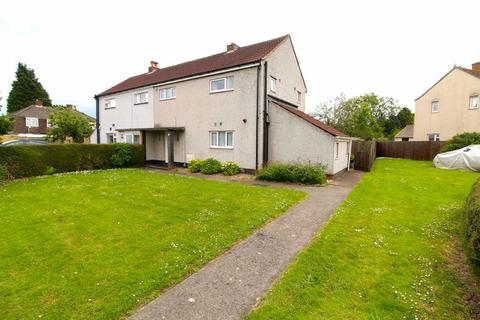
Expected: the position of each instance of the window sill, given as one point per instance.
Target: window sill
(166, 99)
(435, 111)
(140, 103)
(473, 108)
(219, 91)
(228, 148)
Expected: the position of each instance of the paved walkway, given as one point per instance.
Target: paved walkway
(229, 286)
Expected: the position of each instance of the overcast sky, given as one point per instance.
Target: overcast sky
(393, 48)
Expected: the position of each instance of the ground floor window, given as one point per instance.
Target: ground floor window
(132, 138)
(111, 138)
(221, 139)
(433, 137)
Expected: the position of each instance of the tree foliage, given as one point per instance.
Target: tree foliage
(368, 116)
(26, 88)
(462, 140)
(66, 123)
(6, 125)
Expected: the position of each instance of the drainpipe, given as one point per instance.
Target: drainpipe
(266, 122)
(257, 116)
(97, 121)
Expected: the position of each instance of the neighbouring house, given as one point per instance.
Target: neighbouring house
(406, 134)
(246, 104)
(450, 106)
(32, 121)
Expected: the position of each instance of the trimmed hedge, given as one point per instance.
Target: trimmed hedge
(462, 140)
(211, 166)
(472, 222)
(304, 173)
(35, 160)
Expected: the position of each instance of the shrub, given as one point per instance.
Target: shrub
(3, 173)
(50, 171)
(195, 165)
(34, 160)
(230, 168)
(305, 173)
(122, 156)
(211, 166)
(461, 141)
(472, 223)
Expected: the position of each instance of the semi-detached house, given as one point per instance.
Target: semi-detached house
(246, 104)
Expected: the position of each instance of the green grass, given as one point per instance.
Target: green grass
(384, 253)
(98, 245)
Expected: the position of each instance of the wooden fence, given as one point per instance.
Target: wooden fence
(414, 150)
(365, 152)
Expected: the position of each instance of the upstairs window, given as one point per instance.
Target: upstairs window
(474, 102)
(31, 122)
(273, 84)
(168, 93)
(141, 97)
(435, 106)
(221, 84)
(221, 139)
(110, 103)
(299, 97)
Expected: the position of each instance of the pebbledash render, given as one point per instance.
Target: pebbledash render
(246, 104)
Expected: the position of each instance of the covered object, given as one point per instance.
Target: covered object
(467, 158)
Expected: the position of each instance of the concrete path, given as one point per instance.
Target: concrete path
(229, 286)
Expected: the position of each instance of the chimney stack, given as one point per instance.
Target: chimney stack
(38, 103)
(476, 66)
(232, 47)
(153, 66)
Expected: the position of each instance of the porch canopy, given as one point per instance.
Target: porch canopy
(170, 139)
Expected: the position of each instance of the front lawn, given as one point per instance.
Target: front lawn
(98, 245)
(391, 251)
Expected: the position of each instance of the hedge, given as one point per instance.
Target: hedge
(304, 173)
(34, 160)
(472, 222)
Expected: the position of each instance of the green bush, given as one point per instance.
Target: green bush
(34, 160)
(122, 156)
(305, 173)
(472, 223)
(49, 171)
(230, 168)
(195, 166)
(461, 141)
(211, 166)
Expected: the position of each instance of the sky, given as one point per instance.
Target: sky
(393, 48)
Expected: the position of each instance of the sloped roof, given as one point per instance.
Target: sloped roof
(219, 61)
(406, 132)
(41, 112)
(317, 123)
(469, 71)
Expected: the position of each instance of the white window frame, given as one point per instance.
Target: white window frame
(472, 97)
(114, 137)
(273, 84)
(225, 84)
(437, 104)
(132, 136)
(31, 122)
(137, 97)
(110, 103)
(165, 91)
(436, 136)
(216, 145)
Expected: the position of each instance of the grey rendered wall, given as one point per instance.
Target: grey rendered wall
(294, 139)
(199, 112)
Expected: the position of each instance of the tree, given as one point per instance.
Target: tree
(368, 116)
(461, 141)
(26, 88)
(6, 125)
(66, 122)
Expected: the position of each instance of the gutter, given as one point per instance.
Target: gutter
(97, 120)
(257, 117)
(266, 122)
